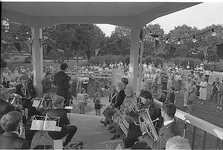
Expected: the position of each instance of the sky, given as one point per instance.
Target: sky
(200, 16)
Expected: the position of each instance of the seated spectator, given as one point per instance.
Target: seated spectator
(177, 143)
(10, 139)
(67, 129)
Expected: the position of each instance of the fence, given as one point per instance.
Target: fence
(93, 74)
(196, 123)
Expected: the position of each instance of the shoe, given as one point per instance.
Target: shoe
(103, 122)
(110, 128)
(113, 138)
(113, 131)
(118, 136)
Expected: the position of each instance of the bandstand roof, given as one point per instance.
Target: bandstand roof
(129, 14)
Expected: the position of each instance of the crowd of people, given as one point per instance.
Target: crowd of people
(124, 102)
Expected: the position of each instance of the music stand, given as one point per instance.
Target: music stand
(45, 123)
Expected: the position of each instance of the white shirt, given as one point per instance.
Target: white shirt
(167, 122)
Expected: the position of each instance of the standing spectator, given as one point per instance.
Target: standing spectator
(46, 83)
(97, 104)
(215, 85)
(192, 96)
(61, 81)
(6, 77)
(81, 100)
(186, 91)
(220, 95)
(72, 92)
(203, 90)
(171, 97)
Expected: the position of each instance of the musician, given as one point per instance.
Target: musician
(123, 111)
(61, 81)
(112, 99)
(134, 130)
(6, 107)
(10, 139)
(170, 128)
(67, 129)
(28, 92)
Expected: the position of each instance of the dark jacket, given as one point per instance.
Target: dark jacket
(165, 133)
(119, 99)
(61, 81)
(62, 114)
(59, 113)
(171, 97)
(12, 141)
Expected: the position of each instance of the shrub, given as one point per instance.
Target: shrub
(214, 67)
(107, 59)
(3, 63)
(192, 62)
(28, 59)
(158, 61)
(149, 60)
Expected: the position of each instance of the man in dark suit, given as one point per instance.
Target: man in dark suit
(134, 130)
(169, 129)
(61, 81)
(6, 107)
(64, 123)
(10, 139)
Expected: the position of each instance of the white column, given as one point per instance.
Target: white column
(37, 60)
(134, 58)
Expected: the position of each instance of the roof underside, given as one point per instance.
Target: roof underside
(117, 13)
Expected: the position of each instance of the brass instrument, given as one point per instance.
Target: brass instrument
(145, 120)
(22, 131)
(133, 105)
(16, 100)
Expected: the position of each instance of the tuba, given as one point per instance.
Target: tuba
(145, 120)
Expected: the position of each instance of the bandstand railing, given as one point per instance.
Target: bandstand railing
(198, 123)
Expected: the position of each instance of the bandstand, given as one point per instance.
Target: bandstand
(129, 14)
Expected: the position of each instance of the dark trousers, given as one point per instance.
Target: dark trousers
(66, 130)
(108, 114)
(29, 134)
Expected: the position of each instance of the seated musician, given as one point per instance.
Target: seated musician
(67, 129)
(10, 139)
(123, 111)
(112, 99)
(134, 129)
(28, 92)
(6, 107)
(118, 102)
(169, 129)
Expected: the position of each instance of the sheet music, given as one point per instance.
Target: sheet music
(36, 103)
(45, 124)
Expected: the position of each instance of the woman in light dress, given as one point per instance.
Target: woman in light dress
(170, 81)
(186, 89)
(203, 91)
(192, 96)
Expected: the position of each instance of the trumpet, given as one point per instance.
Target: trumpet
(145, 120)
